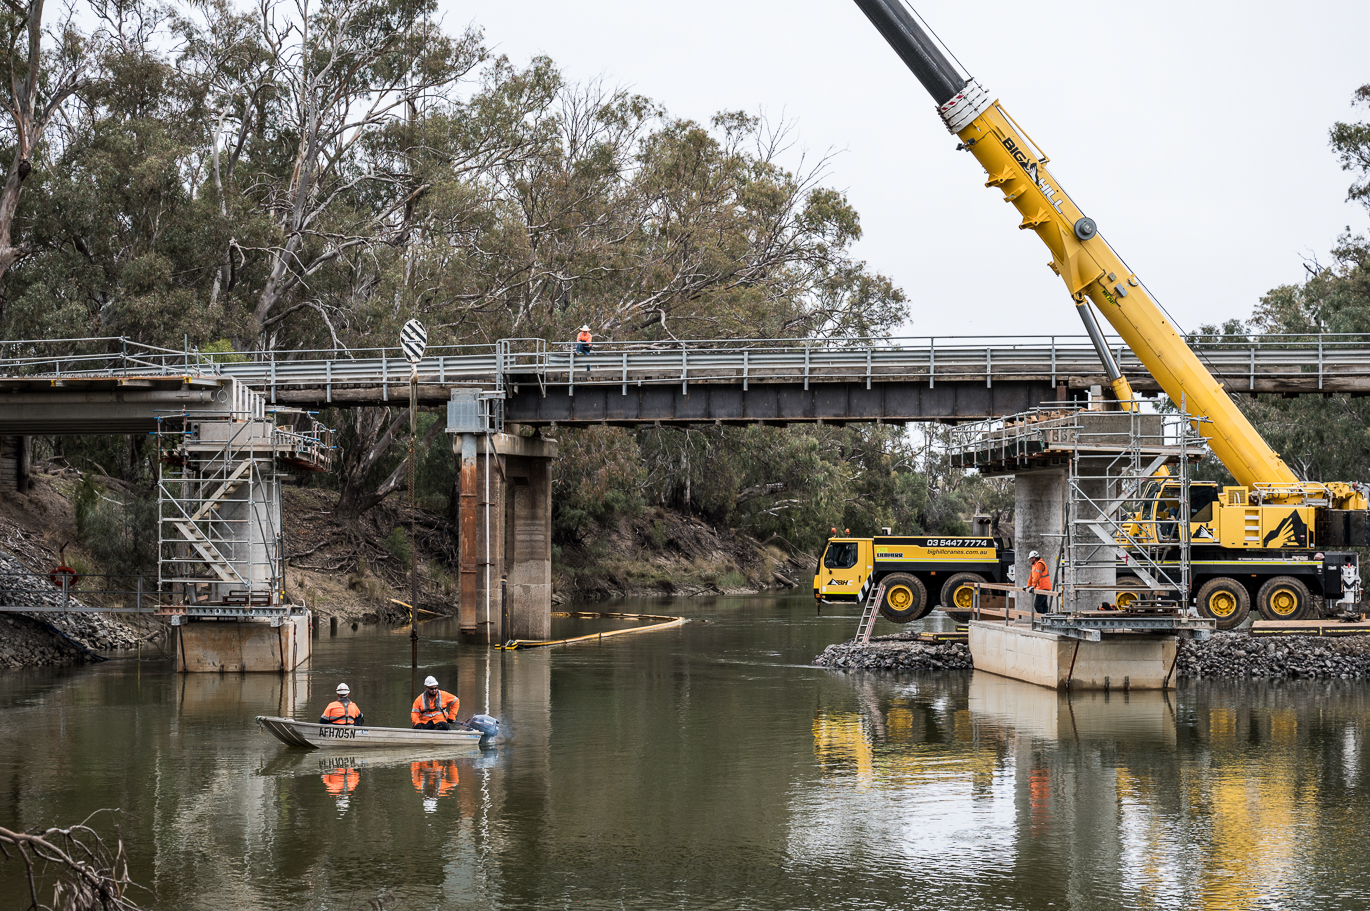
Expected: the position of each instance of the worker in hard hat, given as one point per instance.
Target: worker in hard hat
(435, 709)
(1039, 583)
(583, 340)
(342, 710)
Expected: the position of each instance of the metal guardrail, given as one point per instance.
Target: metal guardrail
(33, 593)
(923, 359)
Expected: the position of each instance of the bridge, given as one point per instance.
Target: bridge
(224, 446)
(116, 386)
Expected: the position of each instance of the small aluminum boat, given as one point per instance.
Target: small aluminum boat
(313, 736)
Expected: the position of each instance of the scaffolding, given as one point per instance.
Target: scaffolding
(221, 548)
(1126, 529)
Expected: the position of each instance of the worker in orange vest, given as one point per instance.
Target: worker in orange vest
(1039, 581)
(583, 339)
(434, 709)
(342, 710)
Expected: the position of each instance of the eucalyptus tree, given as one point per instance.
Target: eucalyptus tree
(45, 65)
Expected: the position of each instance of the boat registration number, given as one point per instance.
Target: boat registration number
(337, 731)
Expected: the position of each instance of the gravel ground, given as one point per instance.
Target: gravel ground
(896, 653)
(27, 641)
(1232, 655)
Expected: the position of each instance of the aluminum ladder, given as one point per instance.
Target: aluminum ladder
(868, 615)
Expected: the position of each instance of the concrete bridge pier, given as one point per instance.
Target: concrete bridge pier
(505, 529)
(1039, 523)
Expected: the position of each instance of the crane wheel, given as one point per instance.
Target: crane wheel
(958, 598)
(906, 598)
(1224, 600)
(1283, 598)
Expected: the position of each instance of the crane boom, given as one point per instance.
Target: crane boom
(1090, 268)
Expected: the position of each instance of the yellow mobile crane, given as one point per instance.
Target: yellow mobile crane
(1261, 540)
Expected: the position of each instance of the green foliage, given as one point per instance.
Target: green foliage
(397, 542)
(117, 530)
(221, 352)
(220, 183)
(597, 478)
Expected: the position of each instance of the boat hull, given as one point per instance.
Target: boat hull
(314, 736)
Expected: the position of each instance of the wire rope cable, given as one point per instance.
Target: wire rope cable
(948, 51)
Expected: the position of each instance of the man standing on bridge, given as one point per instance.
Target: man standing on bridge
(342, 710)
(435, 709)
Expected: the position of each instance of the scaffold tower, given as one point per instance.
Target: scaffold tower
(221, 537)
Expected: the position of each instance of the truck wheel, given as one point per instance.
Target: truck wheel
(1283, 598)
(905, 598)
(1225, 600)
(958, 598)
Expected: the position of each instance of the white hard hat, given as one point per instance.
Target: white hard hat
(430, 681)
(343, 690)
(585, 328)
(1033, 555)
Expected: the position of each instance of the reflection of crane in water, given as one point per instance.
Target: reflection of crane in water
(1250, 799)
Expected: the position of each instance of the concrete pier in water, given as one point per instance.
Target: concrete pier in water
(268, 644)
(1055, 660)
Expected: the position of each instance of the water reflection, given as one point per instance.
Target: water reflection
(434, 778)
(707, 766)
(341, 782)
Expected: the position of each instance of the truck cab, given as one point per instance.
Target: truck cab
(843, 570)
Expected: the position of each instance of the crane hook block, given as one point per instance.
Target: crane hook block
(1086, 229)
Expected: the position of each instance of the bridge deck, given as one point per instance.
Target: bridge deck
(109, 385)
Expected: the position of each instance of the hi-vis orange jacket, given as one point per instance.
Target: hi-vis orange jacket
(583, 336)
(1039, 578)
(341, 712)
(444, 708)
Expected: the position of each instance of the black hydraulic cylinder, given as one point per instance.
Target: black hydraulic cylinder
(919, 51)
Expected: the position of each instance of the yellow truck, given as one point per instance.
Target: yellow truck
(919, 571)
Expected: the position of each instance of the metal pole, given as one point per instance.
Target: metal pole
(413, 514)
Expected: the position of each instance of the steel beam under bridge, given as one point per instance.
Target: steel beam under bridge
(776, 403)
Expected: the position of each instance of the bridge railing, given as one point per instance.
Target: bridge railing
(1308, 358)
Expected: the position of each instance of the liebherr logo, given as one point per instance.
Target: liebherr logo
(1030, 166)
(1291, 532)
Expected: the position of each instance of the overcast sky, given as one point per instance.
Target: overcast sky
(1195, 134)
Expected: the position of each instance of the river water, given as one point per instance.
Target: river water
(707, 766)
